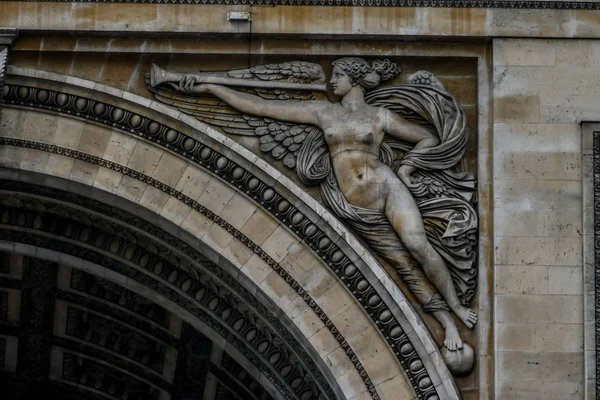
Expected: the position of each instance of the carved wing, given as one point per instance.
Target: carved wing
(280, 139)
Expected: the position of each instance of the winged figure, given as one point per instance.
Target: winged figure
(387, 160)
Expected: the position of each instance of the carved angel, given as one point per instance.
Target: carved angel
(420, 218)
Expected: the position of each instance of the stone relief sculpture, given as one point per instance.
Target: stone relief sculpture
(387, 161)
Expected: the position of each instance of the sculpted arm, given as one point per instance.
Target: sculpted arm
(303, 112)
(409, 132)
(398, 127)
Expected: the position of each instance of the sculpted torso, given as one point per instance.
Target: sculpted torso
(354, 148)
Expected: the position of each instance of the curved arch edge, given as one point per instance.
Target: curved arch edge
(383, 284)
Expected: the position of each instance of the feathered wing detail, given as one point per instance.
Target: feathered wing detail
(293, 72)
(280, 139)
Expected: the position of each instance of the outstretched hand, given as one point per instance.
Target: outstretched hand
(190, 84)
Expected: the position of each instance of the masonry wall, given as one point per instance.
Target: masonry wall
(543, 90)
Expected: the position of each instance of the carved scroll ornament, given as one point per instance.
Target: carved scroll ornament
(386, 159)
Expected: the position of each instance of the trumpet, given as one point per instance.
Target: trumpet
(159, 76)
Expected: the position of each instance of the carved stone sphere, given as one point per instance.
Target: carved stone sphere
(459, 362)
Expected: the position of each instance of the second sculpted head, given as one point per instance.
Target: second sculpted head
(356, 71)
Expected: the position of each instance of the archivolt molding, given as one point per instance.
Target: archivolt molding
(75, 225)
(364, 278)
(528, 4)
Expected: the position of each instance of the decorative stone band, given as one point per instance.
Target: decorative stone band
(559, 5)
(349, 272)
(7, 36)
(596, 161)
(133, 248)
(3, 62)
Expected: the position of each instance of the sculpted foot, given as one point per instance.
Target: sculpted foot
(466, 315)
(453, 341)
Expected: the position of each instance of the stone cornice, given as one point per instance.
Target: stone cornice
(556, 5)
(8, 36)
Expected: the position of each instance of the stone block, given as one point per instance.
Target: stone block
(277, 288)
(524, 52)
(175, 211)
(59, 165)
(10, 156)
(564, 309)
(256, 269)
(94, 140)
(569, 109)
(513, 365)
(565, 280)
(522, 279)
(539, 389)
(11, 123)
(369, 344)
(335, 301)
(278, 244)
(545, 81)
(36, 16)
(517, 108)
(217, 238)
(84, 172)
(154, 199)
(170, 169)
(585, 23)
(294, 307)
(40, 126)
(576, 53)
(193, 182)
(537, 194)
(528, 137)
(515, 337)
(380, 368)
(537, 165)
(216, 195)
(68, 132)
(238, 210)
(34, 160)
(308, 322)
(120, 147)
(131, 189)
(351, 322)
(556, 222)
(318, 282)
(195, 223)
(558, 338)
(107, 179)
(338, 363)
(237, 253)
(324, 342)
(524, 22)
(259, 226)
(396, 388)
(538, 251)
(351, 383)
(145, 158)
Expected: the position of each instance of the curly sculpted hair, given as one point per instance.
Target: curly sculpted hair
(368, 76)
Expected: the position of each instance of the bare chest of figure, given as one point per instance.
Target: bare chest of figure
(357, 130)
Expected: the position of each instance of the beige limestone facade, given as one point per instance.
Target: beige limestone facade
(83, 138)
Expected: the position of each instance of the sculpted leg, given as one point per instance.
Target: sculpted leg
(414, 278)
(403, 214)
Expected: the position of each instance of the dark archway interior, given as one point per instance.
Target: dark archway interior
(83, 337)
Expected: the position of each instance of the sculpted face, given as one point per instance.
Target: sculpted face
(340, 81)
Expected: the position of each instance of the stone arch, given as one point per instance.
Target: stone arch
(404, 341)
